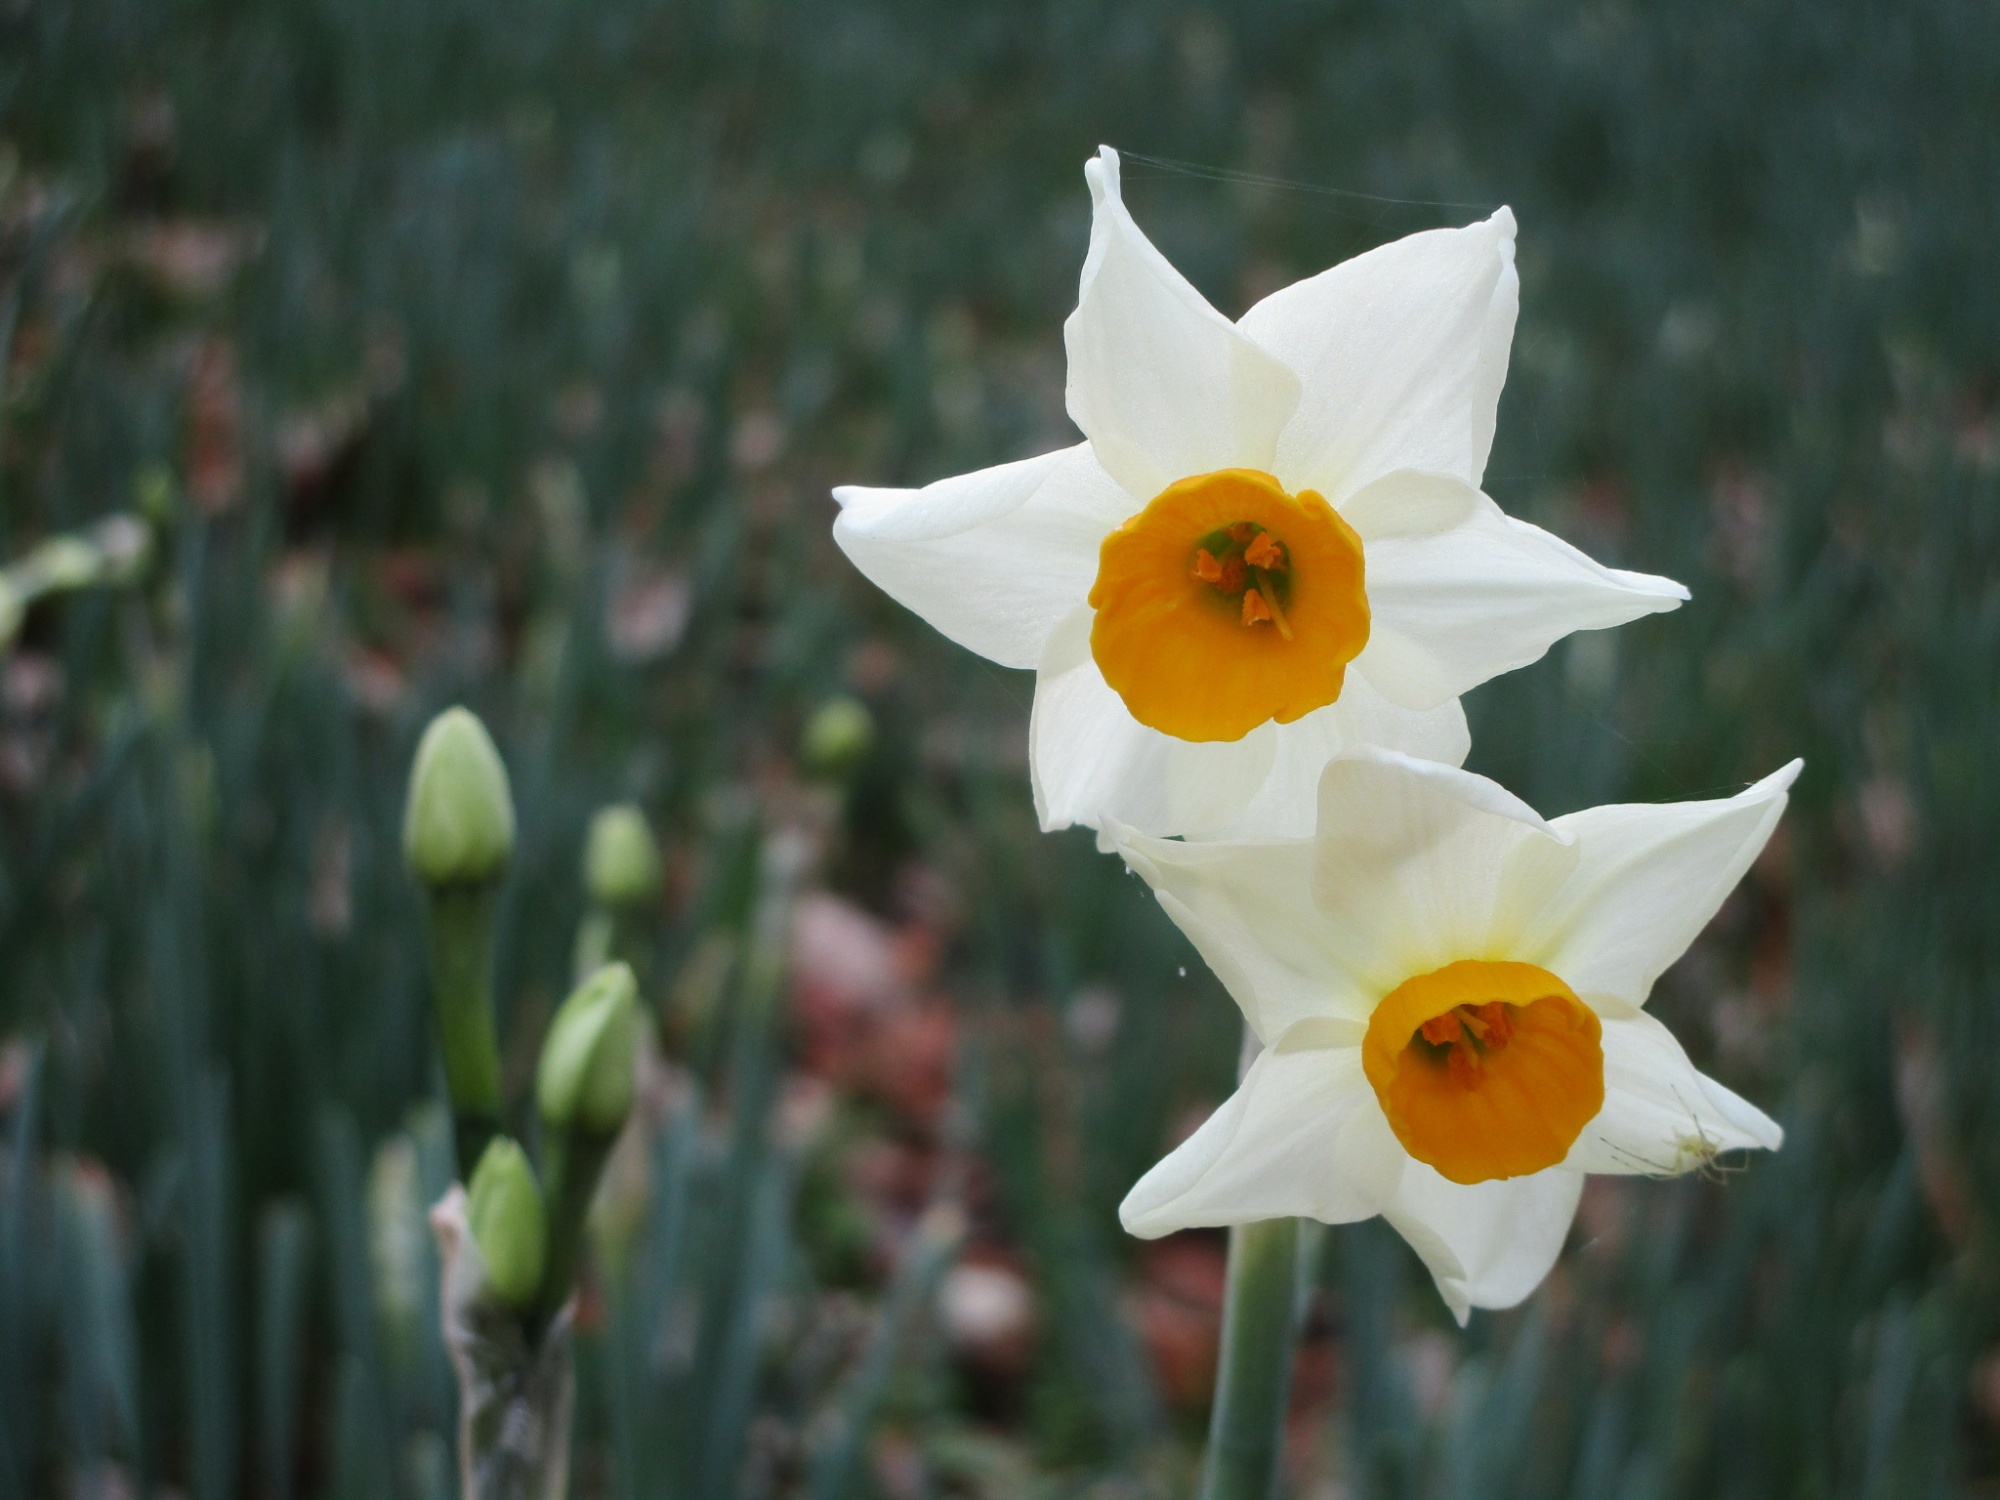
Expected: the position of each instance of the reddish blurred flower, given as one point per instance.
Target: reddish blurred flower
(1177, 1311)
(214, 453)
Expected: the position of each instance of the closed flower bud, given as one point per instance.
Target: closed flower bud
(585, 1080)
(838, 737)
(458, 826)
(507, 1221)
(621, 859)
(64, 562)
(13, 609)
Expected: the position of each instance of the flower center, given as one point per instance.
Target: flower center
(1228, 602)
(1486, 1069)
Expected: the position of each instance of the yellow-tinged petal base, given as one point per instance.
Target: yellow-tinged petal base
(1486, 1069)
(1228, 602)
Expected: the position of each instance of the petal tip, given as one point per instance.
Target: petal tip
(1777, 785)
(1101, 172)
(1143, 1221)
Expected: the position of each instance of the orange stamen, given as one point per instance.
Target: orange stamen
(1464, 1066)
(1255, 610)
(1441, 1031)
(1206, 568)
(1265, 553)
(1495, 1025)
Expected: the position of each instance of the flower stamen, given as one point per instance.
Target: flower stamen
(1265, 553)
(1238, 562)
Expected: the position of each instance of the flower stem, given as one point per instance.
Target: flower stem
(461, 944)
(572, 1162)
(596, 942)
(1253, 1382)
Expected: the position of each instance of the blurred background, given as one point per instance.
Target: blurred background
(360, 358)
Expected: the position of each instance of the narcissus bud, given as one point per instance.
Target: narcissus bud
(621, 859)
(64, 562)
(838, 736)
(508, 1224)
(13, 609)
(585, 1080)
(458, 825)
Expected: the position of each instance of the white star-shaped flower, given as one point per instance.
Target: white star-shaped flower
(1271, 547)
(1450, 994)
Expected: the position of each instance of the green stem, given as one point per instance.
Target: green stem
(572, 1161)
(596, 943)
(461, 941)
(1253, 1382)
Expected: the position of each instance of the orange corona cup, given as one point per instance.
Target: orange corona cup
(1227, 603)
(1485, 1070)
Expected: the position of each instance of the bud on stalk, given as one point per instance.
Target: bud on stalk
(583, 1091)
(837, 738)
(458, 825)
(621, 859)
(621, 872)
(458, 836)
(504, 1212)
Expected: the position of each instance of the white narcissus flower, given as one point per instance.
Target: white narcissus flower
(1449, 990)
(1272, 545)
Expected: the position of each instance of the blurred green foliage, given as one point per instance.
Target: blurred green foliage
(505, 353)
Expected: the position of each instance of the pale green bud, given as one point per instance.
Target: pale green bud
(585, 1080)
(838, 737)
(458, 825)
(504, 1211)
(64, 562)
(13, 609)
(621, 859)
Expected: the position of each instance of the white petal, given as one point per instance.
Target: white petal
(1488, 1244)
(1409, 503)
(993, 559)
(1422, 864)
(1661, 1117)
(1248, 907)
(1287, 805)
(1301, 1136)
(1451, 609)
(1163, 385)
(1091, 761)
(1647, 879)
(1400, 353)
